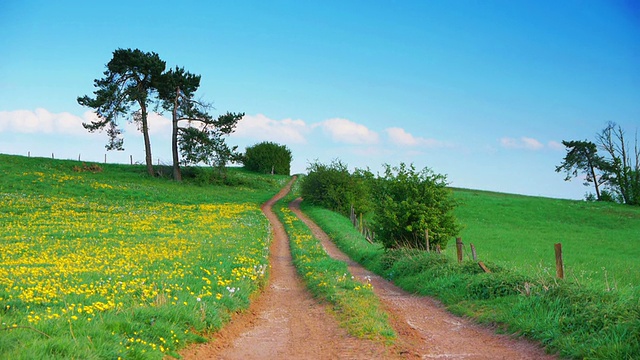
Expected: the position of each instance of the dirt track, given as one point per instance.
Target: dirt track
(285, 322)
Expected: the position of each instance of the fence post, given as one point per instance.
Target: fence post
(484, 267)
(78, 157)
(559, 264)
(52, 155)
(105, 158)
(459, 249)
(473, 252)
(353, 216)
(131, 159)
(426, 237)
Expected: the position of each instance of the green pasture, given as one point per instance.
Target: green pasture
(600, 241)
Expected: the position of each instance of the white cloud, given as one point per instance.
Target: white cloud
(531, 143)
(400, 137)
(349, 132)
(260, 127)
(40, 121)
(522, 143)
(45, 122)
(554, 145)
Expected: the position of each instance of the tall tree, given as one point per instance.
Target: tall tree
(582, 157)
(129, 81)
(202, 138)
(177, 89)
(623, 166)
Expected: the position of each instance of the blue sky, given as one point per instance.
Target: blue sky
(483, 91)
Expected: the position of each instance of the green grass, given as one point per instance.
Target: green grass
(600, 241)
(577, 318)
(114, 264)
(357, 308)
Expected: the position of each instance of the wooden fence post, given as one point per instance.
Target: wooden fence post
(559, 264)
(426, 237)
(459, 249)
(52, 155)
(78, 157)
(131, 159)
(484, 267)
(473, 252)
(29, 154)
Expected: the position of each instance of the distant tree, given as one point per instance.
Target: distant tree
(622, 165)
(409, 202)
(268, 157)
(582, 158)
(130, 80)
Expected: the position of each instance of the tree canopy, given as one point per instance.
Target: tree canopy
(582, 158)
(135, 82)
(618, 170)
(129, 81)
(268, 157)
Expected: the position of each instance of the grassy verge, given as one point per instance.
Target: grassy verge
(356, 306)
(100, 261)
(568, 318)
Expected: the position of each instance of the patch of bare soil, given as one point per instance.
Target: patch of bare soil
(425, 329)
(285, 321)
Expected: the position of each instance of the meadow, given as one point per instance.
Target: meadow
(100, 261)
(600, 241)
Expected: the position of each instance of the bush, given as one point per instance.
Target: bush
(267, 157)
(333, 187)
(407, 203)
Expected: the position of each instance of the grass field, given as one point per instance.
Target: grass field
(101, 261)
(600, 241)
(104, 262)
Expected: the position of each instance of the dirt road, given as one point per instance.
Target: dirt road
(285, 322)
(425, 329)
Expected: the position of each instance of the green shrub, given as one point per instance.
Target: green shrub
(333, 187)
(407, 203)
(268, 157)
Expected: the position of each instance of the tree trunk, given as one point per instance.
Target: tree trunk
(595, 180)
(177, 175)
(145, 135)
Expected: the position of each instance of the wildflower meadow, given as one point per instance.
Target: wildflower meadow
(110, 264)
